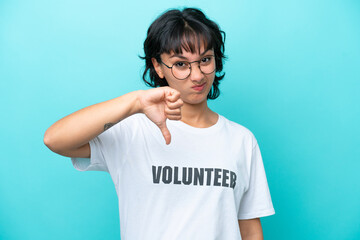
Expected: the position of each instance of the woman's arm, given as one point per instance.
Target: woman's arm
(70, 135)
(250, 229)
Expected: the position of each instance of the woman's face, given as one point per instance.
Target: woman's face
(195, 88)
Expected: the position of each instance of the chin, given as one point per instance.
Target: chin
(195, 100)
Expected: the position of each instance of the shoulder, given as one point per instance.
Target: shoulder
(137, 122)
(125, 130)
(135, 119)
(239, 131)
(127, 124)
(135, 116)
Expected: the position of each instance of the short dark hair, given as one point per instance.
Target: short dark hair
(174, 30)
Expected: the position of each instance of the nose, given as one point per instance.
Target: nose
(196, 74)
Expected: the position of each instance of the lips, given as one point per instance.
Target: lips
(199, 87)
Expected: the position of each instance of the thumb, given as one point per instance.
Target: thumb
(165, 132)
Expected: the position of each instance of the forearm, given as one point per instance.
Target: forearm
(78, 128)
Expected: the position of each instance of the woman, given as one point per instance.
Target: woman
(206, 180)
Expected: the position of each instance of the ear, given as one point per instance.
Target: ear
(157, 67)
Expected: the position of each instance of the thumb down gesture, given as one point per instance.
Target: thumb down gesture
(159, 104)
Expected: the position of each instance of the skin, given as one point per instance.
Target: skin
(251, 229)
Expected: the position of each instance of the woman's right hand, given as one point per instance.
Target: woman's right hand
(161, 103)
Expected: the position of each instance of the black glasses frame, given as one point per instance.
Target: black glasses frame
(189, 68)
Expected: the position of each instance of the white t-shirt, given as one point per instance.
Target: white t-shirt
(197, 187)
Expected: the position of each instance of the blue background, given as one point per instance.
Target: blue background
(292, 78)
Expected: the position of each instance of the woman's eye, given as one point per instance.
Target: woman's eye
(205, 59)
(180, 64)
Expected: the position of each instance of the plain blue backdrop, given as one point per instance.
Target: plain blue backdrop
(292, 78)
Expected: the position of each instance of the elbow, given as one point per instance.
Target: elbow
(56, 143)
(50, 142)
(47, 140)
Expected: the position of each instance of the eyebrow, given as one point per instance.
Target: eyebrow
(182, 57)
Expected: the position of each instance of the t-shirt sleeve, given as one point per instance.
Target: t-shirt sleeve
(96, 162)
(256, 201)
(104, 151)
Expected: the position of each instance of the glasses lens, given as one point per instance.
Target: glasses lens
(207, 65)
(181, 70)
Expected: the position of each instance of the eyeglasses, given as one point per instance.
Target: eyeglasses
(182, 69)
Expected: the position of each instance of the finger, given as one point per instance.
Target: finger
(173, 105)
(176, 111)
(166, 133)
(174, 117)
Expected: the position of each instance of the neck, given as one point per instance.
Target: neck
(199, 115)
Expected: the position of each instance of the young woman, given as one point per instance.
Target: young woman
(181, 171)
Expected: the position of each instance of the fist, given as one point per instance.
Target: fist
(159, 104)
